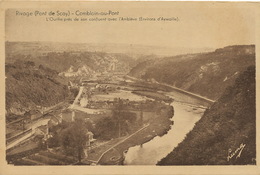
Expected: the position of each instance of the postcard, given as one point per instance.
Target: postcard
(129, 87)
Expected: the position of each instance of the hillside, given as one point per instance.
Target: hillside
(29, 86)
(230, 123)
(38, 48)
(71, 59)
(207, 74)
(36, 71)
(72, 62)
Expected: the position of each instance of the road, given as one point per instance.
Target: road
(122, 141)
(78, 96)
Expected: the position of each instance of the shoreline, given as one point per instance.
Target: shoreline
(157, 127)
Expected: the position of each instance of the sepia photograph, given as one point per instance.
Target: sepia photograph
(119, 84)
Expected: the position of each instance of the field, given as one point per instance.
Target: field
(154, 95)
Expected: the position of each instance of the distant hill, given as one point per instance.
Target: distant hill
(36, 48)
(37, 72)
(207, 74)
(227, 128)
(69, 58)
(29, 86)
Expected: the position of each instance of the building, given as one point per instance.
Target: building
(90, 139)
(42, 130)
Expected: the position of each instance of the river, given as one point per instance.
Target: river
(151, 152)
(187, 111)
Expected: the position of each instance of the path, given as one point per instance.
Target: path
(78, 96)
(121, 142)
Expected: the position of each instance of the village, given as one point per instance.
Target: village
(114, 117)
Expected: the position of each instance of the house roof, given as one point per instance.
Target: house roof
(43, 128)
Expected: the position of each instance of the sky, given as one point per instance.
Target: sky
(198, 27)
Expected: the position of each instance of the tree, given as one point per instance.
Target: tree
(74, 138)
(122, 117)
(117, 114)
(106, 128)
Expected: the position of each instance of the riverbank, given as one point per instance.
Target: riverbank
(157, 127)
(153, 151)
(226, 131)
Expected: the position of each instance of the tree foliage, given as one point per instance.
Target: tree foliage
(73, 139)
(118, 124)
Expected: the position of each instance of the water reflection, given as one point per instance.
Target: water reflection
(151, 152)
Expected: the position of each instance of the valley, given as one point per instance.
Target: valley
(98, 107)
(68, 104)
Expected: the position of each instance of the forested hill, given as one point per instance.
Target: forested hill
(29, 86)
(227, 128)
(71, 59)
(206, 74)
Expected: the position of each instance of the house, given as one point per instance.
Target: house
(54, 120)
(42, 130)
(90, 139)
(67, 116)
(34, 114)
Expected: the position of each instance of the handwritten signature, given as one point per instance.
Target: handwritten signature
(237, 152)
